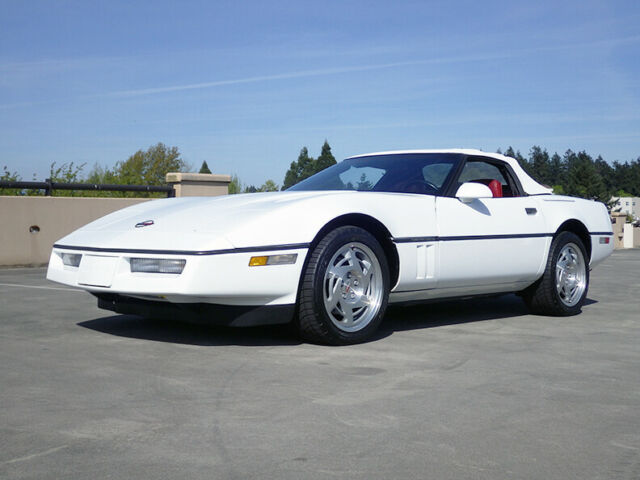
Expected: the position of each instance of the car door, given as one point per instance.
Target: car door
(489, 241)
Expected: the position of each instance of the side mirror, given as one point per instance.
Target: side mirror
(470, 191)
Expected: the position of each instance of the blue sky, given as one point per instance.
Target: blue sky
(244, 85)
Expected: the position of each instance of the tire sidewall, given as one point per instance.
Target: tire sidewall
(339, 238)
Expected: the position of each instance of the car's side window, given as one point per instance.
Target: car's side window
(436, 173)
(488, 173)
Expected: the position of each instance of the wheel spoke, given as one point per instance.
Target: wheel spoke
(365, 282)
(363, 301)
(347, 310)
(560, 273)
(332, 295)
(362, 267)
(339, 271)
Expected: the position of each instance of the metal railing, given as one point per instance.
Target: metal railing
(48, 186)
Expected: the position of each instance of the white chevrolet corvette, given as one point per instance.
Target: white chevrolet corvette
(332, 251)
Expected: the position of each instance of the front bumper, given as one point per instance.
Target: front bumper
(224, 279)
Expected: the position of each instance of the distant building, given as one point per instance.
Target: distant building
(628, 205)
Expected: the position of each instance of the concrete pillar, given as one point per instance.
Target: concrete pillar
(618, 220)
(198, 184)
(627, 240)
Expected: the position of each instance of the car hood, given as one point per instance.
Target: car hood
(197, 223)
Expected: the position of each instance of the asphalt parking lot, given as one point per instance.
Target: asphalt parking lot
(474, 389)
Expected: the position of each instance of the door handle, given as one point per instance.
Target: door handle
(531, 211)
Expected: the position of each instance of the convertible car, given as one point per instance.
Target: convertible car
(331, 252)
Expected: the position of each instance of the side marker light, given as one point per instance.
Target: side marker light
(286, 259)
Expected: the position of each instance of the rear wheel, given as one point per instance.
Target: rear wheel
(563, 287)
(345, 288)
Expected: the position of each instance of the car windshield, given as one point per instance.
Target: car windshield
(423, 173)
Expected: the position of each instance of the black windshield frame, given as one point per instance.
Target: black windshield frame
(403, 173)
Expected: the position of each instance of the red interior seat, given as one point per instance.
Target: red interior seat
(494, 185)
(496, 188)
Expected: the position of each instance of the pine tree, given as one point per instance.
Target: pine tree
(557, 170)
(627, 176)
(540, 165)
(326, 158)
(583, 179)
(299, 170)
(509, 152)
(204, 168)
(607, 173)
(291, 177)
(306, 166)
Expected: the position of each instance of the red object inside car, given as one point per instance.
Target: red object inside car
(496, 188)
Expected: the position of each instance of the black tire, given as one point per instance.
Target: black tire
(545, 297)
(318, 321)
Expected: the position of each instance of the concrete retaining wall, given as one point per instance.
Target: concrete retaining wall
(29, 226)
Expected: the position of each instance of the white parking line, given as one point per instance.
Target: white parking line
(36, 286)
(34, 455)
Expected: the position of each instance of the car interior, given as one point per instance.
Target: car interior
(487, 173)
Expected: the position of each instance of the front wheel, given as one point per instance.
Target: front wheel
(563, 287)
(345, 288)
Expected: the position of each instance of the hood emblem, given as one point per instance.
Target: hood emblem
(146, 223)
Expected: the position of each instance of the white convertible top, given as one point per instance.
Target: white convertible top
(528, 184)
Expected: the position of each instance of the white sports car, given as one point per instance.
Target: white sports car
(332, 251)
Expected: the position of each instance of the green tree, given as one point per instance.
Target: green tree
(8, 176)
(509, 152)
(606, 172)
(300, 169)
(627, 176)
(68, 173)
(326, 158)
(622, 193)
(291, 177)
(306, 166)
(235, 186)
(204, 168)
(583, 179)
(540, 165)
(557, 170)
(149, 167)
(269, 186)
(142, 168)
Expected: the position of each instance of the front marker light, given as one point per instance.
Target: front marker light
(157, 265)
(286, 259)
(258, 261)
(71, 259)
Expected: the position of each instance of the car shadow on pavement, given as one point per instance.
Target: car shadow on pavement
(397, 318)
(452, 312)
(442, 313)
(133, 326)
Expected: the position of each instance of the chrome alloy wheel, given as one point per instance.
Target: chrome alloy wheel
(571, 274)
(353, 287)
